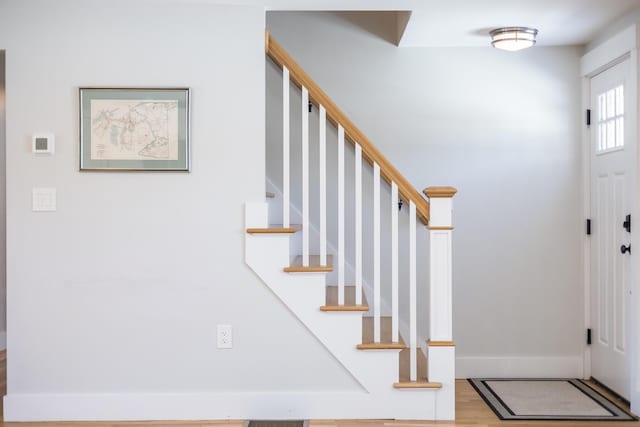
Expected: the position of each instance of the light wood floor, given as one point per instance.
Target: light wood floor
(471, 412)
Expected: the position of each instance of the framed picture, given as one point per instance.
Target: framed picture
(134, 129)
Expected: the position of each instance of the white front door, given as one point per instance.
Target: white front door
(612, 191)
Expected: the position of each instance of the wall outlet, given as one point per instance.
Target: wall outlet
(225, 336)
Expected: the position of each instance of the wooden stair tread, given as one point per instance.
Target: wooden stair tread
(417, 384)
(363, 308)
(382, 346)
(313, 267)
(275, 229)
(270, 195)
(349, 300)
(385, 336)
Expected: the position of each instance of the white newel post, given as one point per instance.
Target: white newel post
(441, 348)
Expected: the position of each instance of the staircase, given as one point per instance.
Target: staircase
(399, 377)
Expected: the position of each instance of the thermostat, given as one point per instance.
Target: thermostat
(43, 143)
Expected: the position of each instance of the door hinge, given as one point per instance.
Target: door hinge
(627, 223)
(588, 117)
(588, 227)
(589, 336)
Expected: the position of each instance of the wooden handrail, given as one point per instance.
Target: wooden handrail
(369, 151)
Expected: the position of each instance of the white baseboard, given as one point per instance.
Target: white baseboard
(219, 406)
(3, 340)
(519, 367)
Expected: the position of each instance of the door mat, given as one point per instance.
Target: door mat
(547, 399)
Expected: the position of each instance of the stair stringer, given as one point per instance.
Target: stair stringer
(339, 333)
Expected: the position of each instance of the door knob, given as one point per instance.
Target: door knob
(624, 249)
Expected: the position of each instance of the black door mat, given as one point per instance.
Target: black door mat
(547, 399)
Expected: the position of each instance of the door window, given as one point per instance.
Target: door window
(611, 120)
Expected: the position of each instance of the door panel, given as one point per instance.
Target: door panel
(601, 242)
(619, 280)
(612, 177)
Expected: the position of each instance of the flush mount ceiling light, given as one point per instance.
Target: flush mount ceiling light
(513, 38)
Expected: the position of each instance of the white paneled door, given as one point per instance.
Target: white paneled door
(613, 172)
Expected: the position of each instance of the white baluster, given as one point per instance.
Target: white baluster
(358, 223)
(376, 252)
(285, 148)
(412, 293)
(322, 123)
(305, 177)
(341, 244)
(394, 262)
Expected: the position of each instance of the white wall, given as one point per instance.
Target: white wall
(613, 29)
(121, 289)
(3, 263)
(504, 128)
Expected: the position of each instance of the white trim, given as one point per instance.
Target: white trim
(341, 207)
(286, 152)
(222, 405)
(394, 263)
(376, 253)
(608, 52)
(586, 242)
(519, 367)
(634, 303)
(322, 137)
(413, 326)
(305, 177)
(440, 285)
(441, 363)
(358, 222)
(440, 270)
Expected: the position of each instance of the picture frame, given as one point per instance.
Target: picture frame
(134, 129)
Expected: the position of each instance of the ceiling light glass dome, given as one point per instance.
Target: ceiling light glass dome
(513, 38)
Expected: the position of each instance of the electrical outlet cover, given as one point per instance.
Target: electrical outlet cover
(225, 336)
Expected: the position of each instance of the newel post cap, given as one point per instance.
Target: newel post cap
(440, 192)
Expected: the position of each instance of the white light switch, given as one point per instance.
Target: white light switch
(44, 199)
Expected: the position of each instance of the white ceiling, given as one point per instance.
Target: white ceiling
(468, 22)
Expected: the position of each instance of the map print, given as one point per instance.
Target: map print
(134, 129)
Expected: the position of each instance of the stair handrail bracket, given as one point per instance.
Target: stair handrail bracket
(353, 134)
